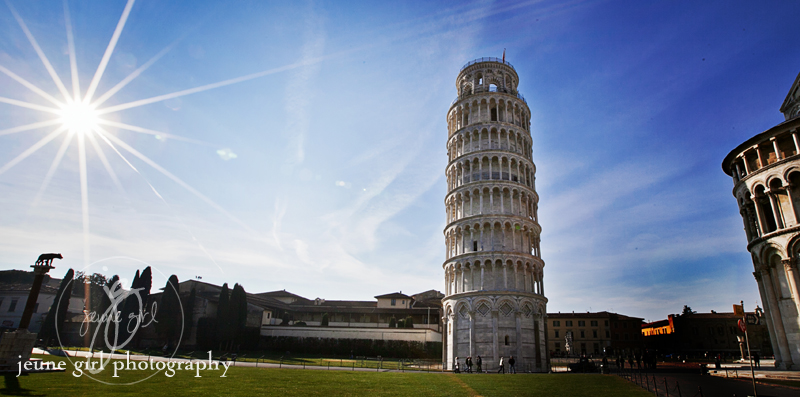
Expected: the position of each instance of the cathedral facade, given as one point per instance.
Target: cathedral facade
(494, 304)
(766, 183)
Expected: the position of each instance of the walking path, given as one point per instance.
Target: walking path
(713, 386)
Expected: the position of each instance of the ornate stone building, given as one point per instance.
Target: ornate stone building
(766, 178)
(494, 300)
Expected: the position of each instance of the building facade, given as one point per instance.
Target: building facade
(494, 300)
(766, 178)
(705, 334)
(595, 334)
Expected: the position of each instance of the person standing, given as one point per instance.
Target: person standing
(502, 369)
(757, 360)
(456, 369)
(511, 368)
(480, 363)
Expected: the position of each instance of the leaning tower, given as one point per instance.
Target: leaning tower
(494, 302)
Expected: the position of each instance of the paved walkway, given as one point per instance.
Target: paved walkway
(688, 384)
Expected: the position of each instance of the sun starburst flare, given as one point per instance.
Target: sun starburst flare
(79, 118)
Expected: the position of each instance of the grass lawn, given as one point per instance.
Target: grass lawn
(241, 381)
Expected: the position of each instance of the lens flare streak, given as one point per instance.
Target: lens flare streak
(81, 118)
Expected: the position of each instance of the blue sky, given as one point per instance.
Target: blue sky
(324, 175)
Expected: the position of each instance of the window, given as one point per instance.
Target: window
(583, 334)
(556, 332)
(393, 302)
(13, 306)
(624, 325)
(594, 334)
(403, 302)
(581, 323)
(507, 340)
(606, 323)
(593, 323)
(583, 348)
(626, 336)
(568, 323)
(596, 348)
(607, 334)
(474, 245)
(695, 331)
(616, 336)
(555, 323)
(558, 346)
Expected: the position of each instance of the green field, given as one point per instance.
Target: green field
(241, 381)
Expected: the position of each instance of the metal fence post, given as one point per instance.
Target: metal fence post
(666, 386)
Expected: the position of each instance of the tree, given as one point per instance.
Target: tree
(324, 322)
(223, 315)
(401, 323)
(109, 330)
(168, 316)
(54, 321)
(188, 314)
(409, 323)
(392, 322)
(687, 310)
(127, 310)
(238, 313)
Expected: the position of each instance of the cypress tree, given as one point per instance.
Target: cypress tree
(409, 323)
(58, 311)
(223, 315)
(188, 315)
(168, 316)
(392, 322)
(128, 307)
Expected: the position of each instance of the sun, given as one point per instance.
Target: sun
(79, 117)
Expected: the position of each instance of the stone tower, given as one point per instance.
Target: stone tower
(494, 300)
(766, 184)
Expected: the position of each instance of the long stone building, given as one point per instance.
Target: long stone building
(766, 183)
(494, 300)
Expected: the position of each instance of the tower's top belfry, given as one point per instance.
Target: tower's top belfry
(480, 74)
(488, 76)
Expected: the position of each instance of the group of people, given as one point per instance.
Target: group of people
(479, 362)
(636, 361)
(468, 365)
